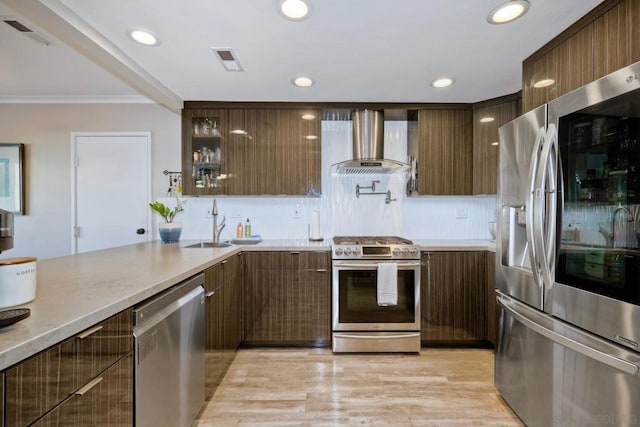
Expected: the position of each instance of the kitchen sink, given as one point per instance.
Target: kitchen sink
(209, 245)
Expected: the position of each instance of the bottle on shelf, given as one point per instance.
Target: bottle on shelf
(239, 230)
(247, 228)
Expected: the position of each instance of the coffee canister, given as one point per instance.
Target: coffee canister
(17, 281)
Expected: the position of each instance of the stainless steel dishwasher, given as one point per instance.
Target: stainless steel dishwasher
(169, 367)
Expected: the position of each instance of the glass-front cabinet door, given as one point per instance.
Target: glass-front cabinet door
(600, 156)
(204, 150)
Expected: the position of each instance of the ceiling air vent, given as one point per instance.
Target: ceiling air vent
(227, 58)
(19, 26)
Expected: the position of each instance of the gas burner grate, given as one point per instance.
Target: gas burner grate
(371, 240)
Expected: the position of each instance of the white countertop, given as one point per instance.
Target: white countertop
(77, 291)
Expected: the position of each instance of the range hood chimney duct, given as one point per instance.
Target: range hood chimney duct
(368, 147)
(368, 134)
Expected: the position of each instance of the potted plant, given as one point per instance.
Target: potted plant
(169, 230)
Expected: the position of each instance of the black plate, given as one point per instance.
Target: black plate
(9, 317)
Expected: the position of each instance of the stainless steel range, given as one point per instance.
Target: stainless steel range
(376, 294)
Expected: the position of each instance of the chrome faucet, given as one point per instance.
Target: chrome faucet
(216, 228)
(609, 235)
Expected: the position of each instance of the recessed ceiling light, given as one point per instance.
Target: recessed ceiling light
(487, 119)
(495, 143)
(311, 137)
(507, 12)
(308, 116)
(303, 82)
(144, 37)
(543, 83)
(444, 82)
(296, 10)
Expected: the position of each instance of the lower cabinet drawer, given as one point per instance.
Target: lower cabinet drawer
(38, 384)
(107, 400)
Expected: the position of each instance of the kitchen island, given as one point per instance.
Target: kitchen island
(77, 291)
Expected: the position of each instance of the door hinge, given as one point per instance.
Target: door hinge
(76, 231)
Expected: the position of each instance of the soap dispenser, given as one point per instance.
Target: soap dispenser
(247, 228)
(239, 231)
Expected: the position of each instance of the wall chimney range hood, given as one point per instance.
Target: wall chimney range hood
(368, 147)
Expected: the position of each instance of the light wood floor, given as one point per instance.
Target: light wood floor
(314, 387)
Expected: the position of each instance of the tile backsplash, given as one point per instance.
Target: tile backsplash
(341, 212)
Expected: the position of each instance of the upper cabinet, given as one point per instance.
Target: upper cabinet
(274, 152)
(487, 118)
(566, 67)
(605, 40)
(440, 140)
(204, 151)
(266, 151)
(617, 38)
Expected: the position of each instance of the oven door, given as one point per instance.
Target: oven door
(355, 305)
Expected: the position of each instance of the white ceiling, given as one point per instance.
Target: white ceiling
(355, 50)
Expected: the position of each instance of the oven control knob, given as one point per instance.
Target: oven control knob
(356, 251)
(338, 251)
(413, 251)
(396, 252)
(405, 252)
(347, 251)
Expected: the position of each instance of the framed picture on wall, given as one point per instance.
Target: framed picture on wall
(11, 174)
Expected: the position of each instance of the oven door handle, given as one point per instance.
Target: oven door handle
(373, 264)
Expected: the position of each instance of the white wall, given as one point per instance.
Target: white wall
(45, 129)
(44, 231)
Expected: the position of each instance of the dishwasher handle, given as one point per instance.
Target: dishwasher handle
(167, 302)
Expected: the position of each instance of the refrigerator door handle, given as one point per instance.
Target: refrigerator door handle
(530, 205)
(544, 215)
(585, 350)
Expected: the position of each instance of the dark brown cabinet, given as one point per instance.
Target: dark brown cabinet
(485, 140)
(493, 309)
(265, 151)
(453, 297)
(616, 38)
(204, 152)
(40, 383)
(442, 143)
(569, 66)
(105, 401)
(274, 152)
(605, 40)
(2, 399)
(287, 298)
(223, 316)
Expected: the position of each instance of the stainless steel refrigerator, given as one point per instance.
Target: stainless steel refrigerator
(568, 257)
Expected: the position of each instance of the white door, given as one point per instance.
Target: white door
(111, 189)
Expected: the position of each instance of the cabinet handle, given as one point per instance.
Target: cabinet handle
(210, 294)
(321, 270)
(225, 261)
(89, 332)
(88, 386)
(295, 253)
